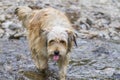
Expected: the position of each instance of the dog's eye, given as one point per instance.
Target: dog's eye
(62, 41)
(51, 41)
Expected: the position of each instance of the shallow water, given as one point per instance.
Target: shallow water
(92, 59)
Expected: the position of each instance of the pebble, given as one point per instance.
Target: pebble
(6, 24)
(2, 18)
(109, 71)
(1, 32)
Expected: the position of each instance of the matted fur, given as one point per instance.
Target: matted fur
(48, 30)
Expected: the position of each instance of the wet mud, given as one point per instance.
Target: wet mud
(91, 60)
(97, 56)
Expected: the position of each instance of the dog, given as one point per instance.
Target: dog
(50, 36)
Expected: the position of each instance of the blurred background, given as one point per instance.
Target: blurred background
(97, 56)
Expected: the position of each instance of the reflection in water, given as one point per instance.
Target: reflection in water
(37, 75)
(33, 75)
(51, 73)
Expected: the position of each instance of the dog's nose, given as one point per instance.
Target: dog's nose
(56, 52)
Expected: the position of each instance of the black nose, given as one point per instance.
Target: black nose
(56, 52)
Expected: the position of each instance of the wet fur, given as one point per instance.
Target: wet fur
(40, 24)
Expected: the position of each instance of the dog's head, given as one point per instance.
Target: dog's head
(59, 43)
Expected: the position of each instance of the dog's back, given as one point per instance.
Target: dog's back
(43, 18)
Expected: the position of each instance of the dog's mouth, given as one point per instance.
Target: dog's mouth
(56, 57)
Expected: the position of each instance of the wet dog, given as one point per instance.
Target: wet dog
(50, 36)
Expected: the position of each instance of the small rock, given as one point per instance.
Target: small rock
(8, 16)
(116, 76)
(101, 50)
(6, 24)
(116, 38)
(18, 35)
(11, 25)
(1, 4)
(103, 1)
(109, 71)
(1, 32)
(104, 34)
(83, 26)
(115, 24)
(89, 21)
(14, 26)
(2, 18)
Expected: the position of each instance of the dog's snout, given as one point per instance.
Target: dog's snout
(56, 52)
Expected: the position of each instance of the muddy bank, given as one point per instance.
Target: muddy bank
(92, 59)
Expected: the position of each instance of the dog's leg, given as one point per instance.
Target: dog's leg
(43, 63)
(40, 61)
(63, 67)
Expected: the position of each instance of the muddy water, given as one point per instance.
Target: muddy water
(91, 60)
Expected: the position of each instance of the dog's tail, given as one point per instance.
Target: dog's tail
(22, 12)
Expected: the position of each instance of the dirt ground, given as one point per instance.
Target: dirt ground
(97, 56)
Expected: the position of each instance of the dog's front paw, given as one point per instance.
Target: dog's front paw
(62, 79)
(62, 76)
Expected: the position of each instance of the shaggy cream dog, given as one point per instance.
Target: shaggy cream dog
(50, 36)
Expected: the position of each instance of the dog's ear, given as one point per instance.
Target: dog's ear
(71, 38)
(43, 37)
